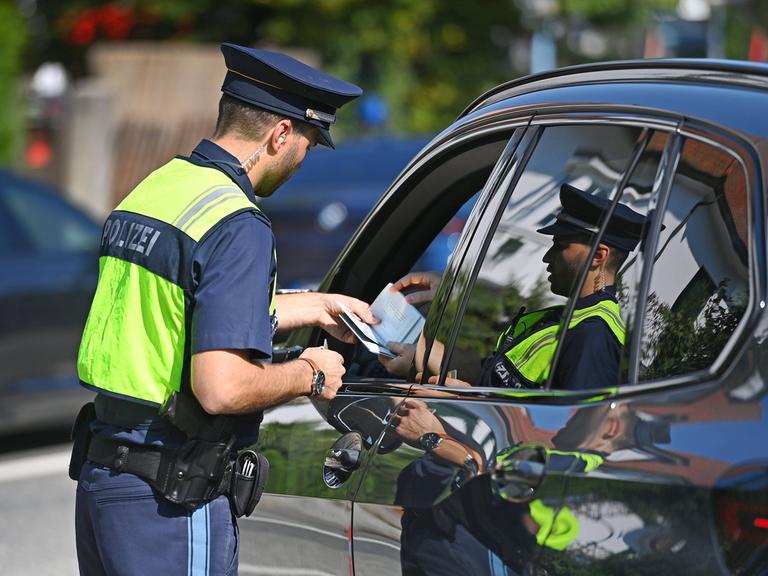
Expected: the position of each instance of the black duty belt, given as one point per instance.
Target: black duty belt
(190, 475)
(135, 459)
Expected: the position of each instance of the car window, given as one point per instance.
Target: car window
(417, 230)
(700, 284)
(507, 333)
(50, 224)
(13, 238)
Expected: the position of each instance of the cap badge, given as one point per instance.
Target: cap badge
(322, 116)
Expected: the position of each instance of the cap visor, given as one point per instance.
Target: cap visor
(325, 138)
(557, 228)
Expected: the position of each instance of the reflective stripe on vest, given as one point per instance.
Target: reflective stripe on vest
(532, 356)
(136, 339)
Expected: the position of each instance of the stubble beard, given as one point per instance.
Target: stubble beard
(275, 177)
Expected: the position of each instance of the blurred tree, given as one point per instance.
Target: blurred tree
(13, 32)
(65, 30)
(427, 59)
(741, 20)
(423, 61)
(689, 337)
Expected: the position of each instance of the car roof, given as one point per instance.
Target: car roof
(734, 72)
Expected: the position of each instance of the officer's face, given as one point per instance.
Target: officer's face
(299, 144)
(564, 260)
(290, 160)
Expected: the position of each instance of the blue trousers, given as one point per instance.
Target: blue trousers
(124, 528)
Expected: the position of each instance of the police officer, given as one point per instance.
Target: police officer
(182, 324)
(596, 332)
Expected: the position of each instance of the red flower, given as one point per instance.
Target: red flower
(84, 29)
(116, 22)
(111, 21)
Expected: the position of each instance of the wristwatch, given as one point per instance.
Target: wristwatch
(318, 379)
(430, 441)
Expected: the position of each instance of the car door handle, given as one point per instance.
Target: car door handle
(519, 471)
(343, 458)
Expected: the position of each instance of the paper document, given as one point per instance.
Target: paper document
(399, 322)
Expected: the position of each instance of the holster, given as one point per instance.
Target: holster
(81, 439)
(196, 473)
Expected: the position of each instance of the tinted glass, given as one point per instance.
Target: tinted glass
(640, 194)
(700, 289)
(50, 224)
(526, 276)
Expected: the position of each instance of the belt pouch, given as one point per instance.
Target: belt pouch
(249, 478)
(81, 439)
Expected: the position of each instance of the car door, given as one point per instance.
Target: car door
(488, 499)
(388, 494)
(302, 524)
(319, 450)
(680, 487)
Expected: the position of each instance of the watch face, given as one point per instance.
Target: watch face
(430, 441)
(318, 383)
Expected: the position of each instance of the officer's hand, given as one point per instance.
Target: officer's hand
(421, 286)
(413, 419)
(332, 307)
(332, 365)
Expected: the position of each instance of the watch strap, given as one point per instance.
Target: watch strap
(315, 372)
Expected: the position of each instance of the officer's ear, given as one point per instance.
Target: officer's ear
(280, 134)
(602, 254)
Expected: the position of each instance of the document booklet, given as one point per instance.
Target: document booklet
(399, 321)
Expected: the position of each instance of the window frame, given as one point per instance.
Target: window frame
(748, 159)
(678, 130)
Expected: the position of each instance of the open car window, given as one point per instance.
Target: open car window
(433, 205)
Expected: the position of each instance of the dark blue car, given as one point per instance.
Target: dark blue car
(49, 271)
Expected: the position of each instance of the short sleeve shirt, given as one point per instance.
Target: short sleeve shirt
(589, 357)
(234, 268)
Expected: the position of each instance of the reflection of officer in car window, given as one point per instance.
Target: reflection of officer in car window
(596, 332)
(450, 458)
(502, 520)
(458, 519)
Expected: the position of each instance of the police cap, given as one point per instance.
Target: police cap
(285, 86)
(582, 213)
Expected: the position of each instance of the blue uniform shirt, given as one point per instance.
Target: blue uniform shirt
(233, 270)
(591, 353)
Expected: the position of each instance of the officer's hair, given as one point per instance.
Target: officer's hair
(248, 122)
(616, 259)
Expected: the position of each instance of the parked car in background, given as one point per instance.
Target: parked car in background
(48, 258)
(314, 214)
(664, 472)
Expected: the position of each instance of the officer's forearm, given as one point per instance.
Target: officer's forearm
(299, 310)
(226, 382)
